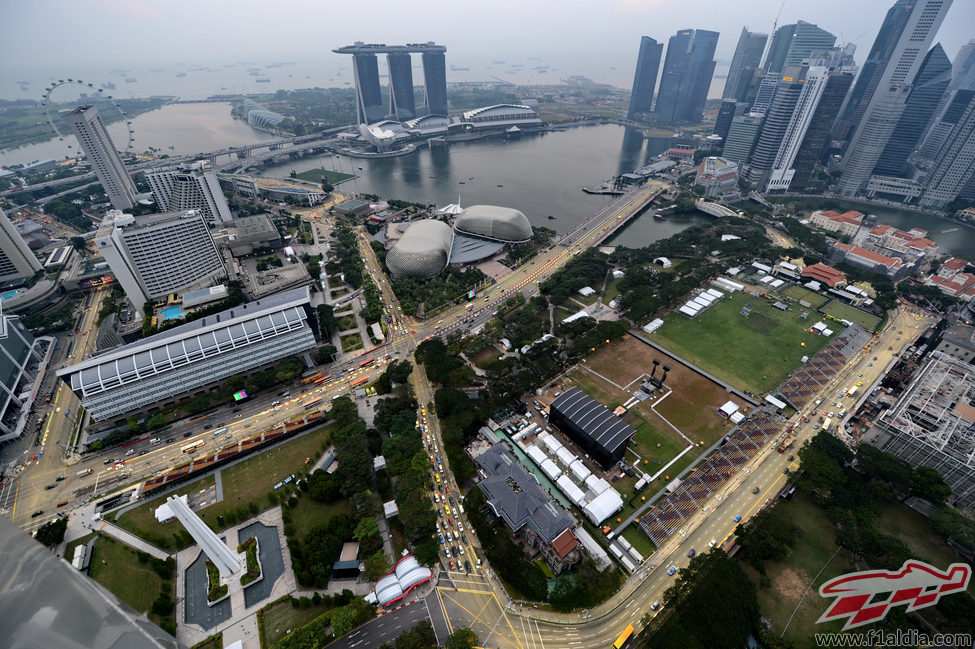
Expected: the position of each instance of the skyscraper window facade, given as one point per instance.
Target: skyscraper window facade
(687, 73)
(747, 59)
(645, 78)
(105, 161)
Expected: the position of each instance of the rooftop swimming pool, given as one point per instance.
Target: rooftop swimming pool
(171, 313)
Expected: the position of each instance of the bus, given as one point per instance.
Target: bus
(311, 378)
(84, 472)
(625, 639)
(366, 362)
(322, 379)
(220, 431)
(364, 379)
(192, 446)
(312, 404)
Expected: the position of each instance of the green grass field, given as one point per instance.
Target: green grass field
(639, 540)
(245, 482)
(282, 617)
(334, 177)
(852, 314)
(612, 290)
(116, 567)
(721, 341)
(799, 293)
(351, 342)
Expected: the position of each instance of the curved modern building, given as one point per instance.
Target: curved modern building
(422, 251)
(494, 223)
(406, 575)
(501, 115)
(257, 115)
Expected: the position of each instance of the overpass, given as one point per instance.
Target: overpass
(614, 216)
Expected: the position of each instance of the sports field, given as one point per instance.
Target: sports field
(799, 293)
(846, 312)
(754, 353)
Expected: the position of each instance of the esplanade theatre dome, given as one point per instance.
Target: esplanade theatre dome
(495, 223)
(422, 251)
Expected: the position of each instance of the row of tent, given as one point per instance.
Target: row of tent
(702, 301)
(596, 497)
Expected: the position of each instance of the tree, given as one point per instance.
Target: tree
(928, 483)
(157, 421)
(78, 243)
(462, 638)
(52, 533)
(420, 636)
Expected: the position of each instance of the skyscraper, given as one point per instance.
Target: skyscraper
(17, 262)
(765, 93)
(401, 97)
(791, 44)
(747, 59)
(813, 147)
(435, 83)
(686, 78)
(729, 110)
(889, 96)
(645, 77)
(191, 186)
(774, 130)
(102, 155)
(955, 163)
(155, 255)
(927, 90)
(741, 137)
(873, 68)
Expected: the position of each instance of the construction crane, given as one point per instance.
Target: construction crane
(775, 25)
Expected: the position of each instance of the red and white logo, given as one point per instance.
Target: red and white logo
(865, 597)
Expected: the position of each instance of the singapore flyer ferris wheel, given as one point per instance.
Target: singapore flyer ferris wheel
(119, 124)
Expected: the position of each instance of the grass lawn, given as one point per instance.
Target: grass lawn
(333, 177)
(116, 567)
(213, 642)
(246, 481)
(308, 513)
(351, 342)
(69, 549)
(347, 322)
(843, 311)
(799, 293)
(612, 290)
(639, 540)
(790, 580)
(486, 355)
(721, 341)
(545, 569)
(282, 618)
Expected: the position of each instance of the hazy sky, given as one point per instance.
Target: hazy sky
(38, 35)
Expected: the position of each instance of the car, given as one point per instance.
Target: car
(737, 518)
(50, 486)
(440, 536)
(37, 513)
(236, 409)
(712, 543)
(655, 606)
(446, 552)
(453, 551)
(61, 477)
(755, 490)
(129, 452)
(791, 457)
(170, 440)
(815, 426)
(227, 436)
(450, 520)
(869, 364)
(187, 434)
(208, 427)
(62, 503)
(463, 537)
(109, 461)
(786, 471)
(143, 452)
(467, 566)
(691, 553)
(452, 564)
(672, 570)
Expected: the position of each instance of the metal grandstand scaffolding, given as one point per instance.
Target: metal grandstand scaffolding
(933, 424)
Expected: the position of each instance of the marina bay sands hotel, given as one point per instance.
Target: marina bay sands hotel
(365, 66)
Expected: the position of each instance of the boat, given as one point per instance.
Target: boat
(950, 230)
(294, 174)
(551, 218)
(500, 185)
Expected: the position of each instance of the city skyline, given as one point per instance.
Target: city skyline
(607, 57)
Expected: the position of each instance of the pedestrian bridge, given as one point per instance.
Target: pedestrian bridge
(714, 209)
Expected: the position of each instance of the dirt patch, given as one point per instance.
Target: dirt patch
(791, 584)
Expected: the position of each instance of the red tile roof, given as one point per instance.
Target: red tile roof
(955, 264)
(851, 216)
(824, 273)
(564, 543)
(876, 257)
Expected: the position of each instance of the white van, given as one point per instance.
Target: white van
(154, 441)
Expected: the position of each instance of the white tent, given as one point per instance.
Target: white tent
(574, 493)
(553, 444)
(537, 455)
(596, 484)
(565, 456)
(551, 470)
(728, 409)
(580, 470)
(603, 506)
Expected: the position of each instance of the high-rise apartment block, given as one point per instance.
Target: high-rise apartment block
(17, 262)
(747, 59)
(777, 121)
(93, 137)
(729, 110)
(954, 168)
(20, 355)
(191, 186)
(917, 21)
(793, 44)
(155, 255)
(813, 148)
(365, 68)
(741, 137)
(686, 77)
(645, 78)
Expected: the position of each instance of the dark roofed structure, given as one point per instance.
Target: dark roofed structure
(516, 496)
(591, 425)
